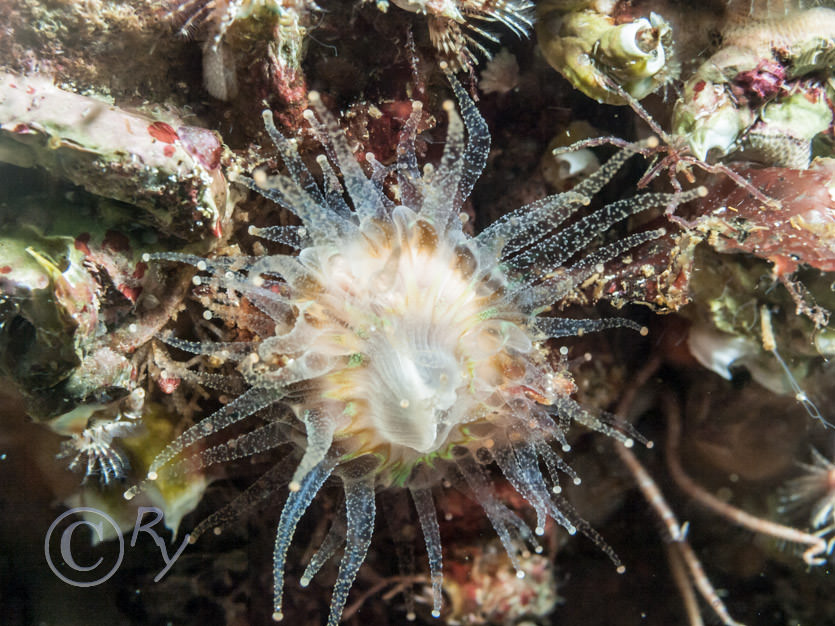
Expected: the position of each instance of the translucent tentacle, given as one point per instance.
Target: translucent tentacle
(609, 426)
(286, 235)
(368, 200)
(241, 407)
(360, 509)
(271, 304)
(229, 350)
(558, 206)
(520, 479)
(566, 327)
(532, 296)
(441, 195)
(292, 269)
(499, 515)
(549, 256)
(425, 506)
(320, 429)
(555, 464)
(259, 491)
(517, 229)
(294, 508)
(261, 439)
(292, 161)
(478, 141)
(537, 221)
(323, 224)
(334, 192)
(522, 468)
(408, 174)
(332, 542)
(584, 527)
(379, 172)
(552, 253)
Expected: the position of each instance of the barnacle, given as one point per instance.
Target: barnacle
(167, 170)
(408, 350)
(592, 50)
(288, 20)
(455, 25)
(766, 92)
(563, 168)
(219, 15)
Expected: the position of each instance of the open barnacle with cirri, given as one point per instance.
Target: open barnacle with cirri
(408, 350)
(458, 29)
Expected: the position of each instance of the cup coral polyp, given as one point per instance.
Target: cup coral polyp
(407, 349)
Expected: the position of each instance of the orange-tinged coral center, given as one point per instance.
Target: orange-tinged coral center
(424, 334)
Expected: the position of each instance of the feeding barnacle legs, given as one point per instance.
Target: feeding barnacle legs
(460, 30)
(815, 490)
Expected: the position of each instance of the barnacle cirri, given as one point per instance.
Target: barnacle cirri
(221, 14)
(407, 349)
(92, 449)
(815, 488)
(457, 27)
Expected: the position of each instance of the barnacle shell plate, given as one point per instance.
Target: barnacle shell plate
(591, 51)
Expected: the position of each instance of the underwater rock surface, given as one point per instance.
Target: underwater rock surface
(224, 318)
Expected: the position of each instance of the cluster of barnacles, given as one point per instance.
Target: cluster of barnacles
(460, 30)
